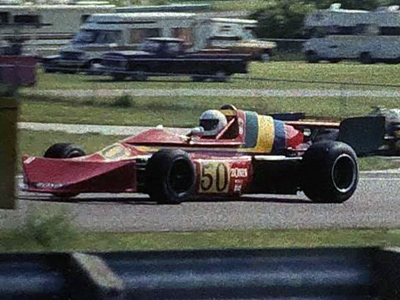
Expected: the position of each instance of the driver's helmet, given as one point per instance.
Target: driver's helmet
(212, 121)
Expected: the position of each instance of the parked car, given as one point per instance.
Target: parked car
(168, 57)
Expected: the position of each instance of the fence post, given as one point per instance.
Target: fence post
(8, 153)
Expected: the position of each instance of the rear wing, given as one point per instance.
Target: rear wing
(365, 135)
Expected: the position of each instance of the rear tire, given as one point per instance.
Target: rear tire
(366, 58)
(170, 176)
(221, 76)
(330, 172)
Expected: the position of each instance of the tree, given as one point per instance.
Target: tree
(283, 19)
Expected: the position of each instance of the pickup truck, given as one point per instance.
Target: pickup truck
(167, 57)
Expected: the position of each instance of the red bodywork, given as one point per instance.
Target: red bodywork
(224, 164)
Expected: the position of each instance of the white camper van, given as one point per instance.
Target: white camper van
(125, 31)
(367, 36)
(121, 31)
(235, 35)
(46, 27)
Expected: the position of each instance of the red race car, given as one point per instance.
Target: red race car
(232, 152)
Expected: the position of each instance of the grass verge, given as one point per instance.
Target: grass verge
(343, 72)
(183, 111)
(47, 239)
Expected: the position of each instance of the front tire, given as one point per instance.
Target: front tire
(170, 176)
(64, 150)
(330, 172)
(312, 57)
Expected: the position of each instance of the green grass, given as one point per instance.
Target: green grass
(345, 72)
(48, 238)
(35, 143)
(183, 111)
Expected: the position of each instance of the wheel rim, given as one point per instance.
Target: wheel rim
(140, 75)
(265, 57)
(180, 178)
(344, 173)
(220, 75)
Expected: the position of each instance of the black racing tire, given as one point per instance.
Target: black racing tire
(312, 57)
(330, 172)
(170, 176)
(366, 58)
(64, 150)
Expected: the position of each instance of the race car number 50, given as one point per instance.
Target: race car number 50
(214, 177)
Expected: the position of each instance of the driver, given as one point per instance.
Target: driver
(212, 121)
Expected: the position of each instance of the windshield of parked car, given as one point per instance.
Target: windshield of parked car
(150, 46)
(86, 37)
(249, 34)
(97, 37)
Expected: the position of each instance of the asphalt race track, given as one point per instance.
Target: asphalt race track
(376, 204)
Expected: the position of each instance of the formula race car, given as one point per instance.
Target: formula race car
(232, 152)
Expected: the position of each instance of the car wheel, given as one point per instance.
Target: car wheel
(170, 176)
(366, 58)
(140, 75)
(48, 69)
(64, 150)
(198, 78)
(221, 76)
(91, 68)
(330, 172)
(118, 76)
(312, 57)
(265, 57)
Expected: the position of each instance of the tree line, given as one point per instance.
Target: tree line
(284, 18)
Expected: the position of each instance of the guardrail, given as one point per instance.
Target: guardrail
(326, 273)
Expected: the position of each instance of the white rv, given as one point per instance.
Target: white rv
(120, 31)
(46, 27)
(367, 36)
(235, 35)
(125, 31)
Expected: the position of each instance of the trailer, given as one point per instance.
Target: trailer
(46, 28)
(366, 36)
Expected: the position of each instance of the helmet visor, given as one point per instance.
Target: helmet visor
(209, 125)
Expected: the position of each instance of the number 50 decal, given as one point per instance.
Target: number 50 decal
(214, 177)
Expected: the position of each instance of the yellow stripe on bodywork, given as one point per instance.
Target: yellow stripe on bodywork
(266, 134)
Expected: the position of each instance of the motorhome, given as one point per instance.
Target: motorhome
(126, 31)
(367, 36)
(45, 28)
(235, 35)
